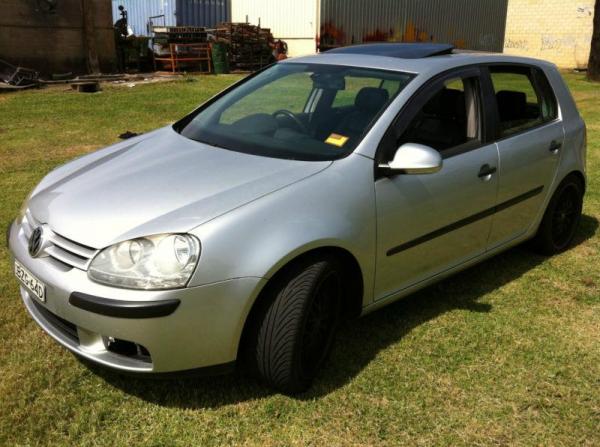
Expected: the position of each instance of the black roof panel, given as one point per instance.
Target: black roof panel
(400, 50)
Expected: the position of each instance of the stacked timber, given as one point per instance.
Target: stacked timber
(250, 46)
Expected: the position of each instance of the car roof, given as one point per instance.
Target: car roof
(418, 65)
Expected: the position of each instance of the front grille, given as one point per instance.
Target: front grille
(60, 248)
(65, 327)
(117, 346)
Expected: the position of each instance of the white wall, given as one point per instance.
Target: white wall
(300, 47)
(294, 21)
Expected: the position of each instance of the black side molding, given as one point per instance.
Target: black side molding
(466, 221)
(123, 309)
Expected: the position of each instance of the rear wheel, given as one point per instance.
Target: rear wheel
(295, 328)
(561, 218)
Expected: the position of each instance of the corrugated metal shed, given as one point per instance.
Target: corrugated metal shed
(478, 25)
(286, 18)
(177, 12)
(207, 13)
(139, 11)
(294, 21)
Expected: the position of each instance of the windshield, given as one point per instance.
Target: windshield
(297, 111)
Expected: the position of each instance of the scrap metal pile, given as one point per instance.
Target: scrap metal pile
(250, 46)
(17, 77)
(165, 35)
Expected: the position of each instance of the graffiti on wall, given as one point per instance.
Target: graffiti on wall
(583, 12)
(519, 44)
(552, 42)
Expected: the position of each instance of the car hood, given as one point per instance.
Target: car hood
(157, 183)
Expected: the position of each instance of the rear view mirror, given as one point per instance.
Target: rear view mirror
(413, 158)
(328, 81)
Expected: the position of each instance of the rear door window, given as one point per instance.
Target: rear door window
(524, 98)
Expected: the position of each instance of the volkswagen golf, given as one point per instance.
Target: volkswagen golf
(317, 189)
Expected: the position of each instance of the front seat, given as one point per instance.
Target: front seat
(368, 102)
(442, 123)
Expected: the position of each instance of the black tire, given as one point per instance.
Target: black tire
(561, 218)
(295, 326)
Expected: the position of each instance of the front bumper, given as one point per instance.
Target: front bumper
(203, 330)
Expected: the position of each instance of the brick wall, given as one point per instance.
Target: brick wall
(556, 30)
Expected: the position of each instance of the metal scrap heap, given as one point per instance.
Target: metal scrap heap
(250, 46)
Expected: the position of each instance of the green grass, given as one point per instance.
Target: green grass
(289, 93)
(506, 353)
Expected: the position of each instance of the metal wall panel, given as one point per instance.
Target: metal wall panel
(471, 24)
(287, 19)
(139, 11)
(207, 13)
(177, 12)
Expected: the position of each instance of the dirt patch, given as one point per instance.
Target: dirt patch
(75, 151)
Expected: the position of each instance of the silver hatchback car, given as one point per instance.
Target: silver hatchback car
(319, 188)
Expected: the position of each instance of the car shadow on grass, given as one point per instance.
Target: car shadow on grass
(358, 341)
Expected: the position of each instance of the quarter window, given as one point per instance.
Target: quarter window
(524, 98)
(549, 105)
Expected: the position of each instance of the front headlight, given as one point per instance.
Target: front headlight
(164, 261)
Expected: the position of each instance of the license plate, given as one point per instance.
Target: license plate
(36, 286)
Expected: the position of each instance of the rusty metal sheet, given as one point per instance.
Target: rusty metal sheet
(469, 24)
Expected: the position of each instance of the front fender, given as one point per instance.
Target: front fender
(333, 208)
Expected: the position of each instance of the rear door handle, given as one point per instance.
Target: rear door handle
(555, 146)
(486, 170)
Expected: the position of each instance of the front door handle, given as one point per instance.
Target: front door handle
(486, 171)
(555, 146)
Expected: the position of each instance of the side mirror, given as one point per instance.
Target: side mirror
(413, 158)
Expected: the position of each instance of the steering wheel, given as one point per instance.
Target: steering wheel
(293, 117)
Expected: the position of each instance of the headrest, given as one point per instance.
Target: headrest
(448, 103)
(453, 103)
(371, 98)
(511, 105)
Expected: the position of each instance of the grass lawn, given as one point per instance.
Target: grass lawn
(504, 353)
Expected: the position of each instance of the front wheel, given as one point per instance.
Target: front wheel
(561, 218)
(295, 329)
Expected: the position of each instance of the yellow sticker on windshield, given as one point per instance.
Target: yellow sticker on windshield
(336, 139)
